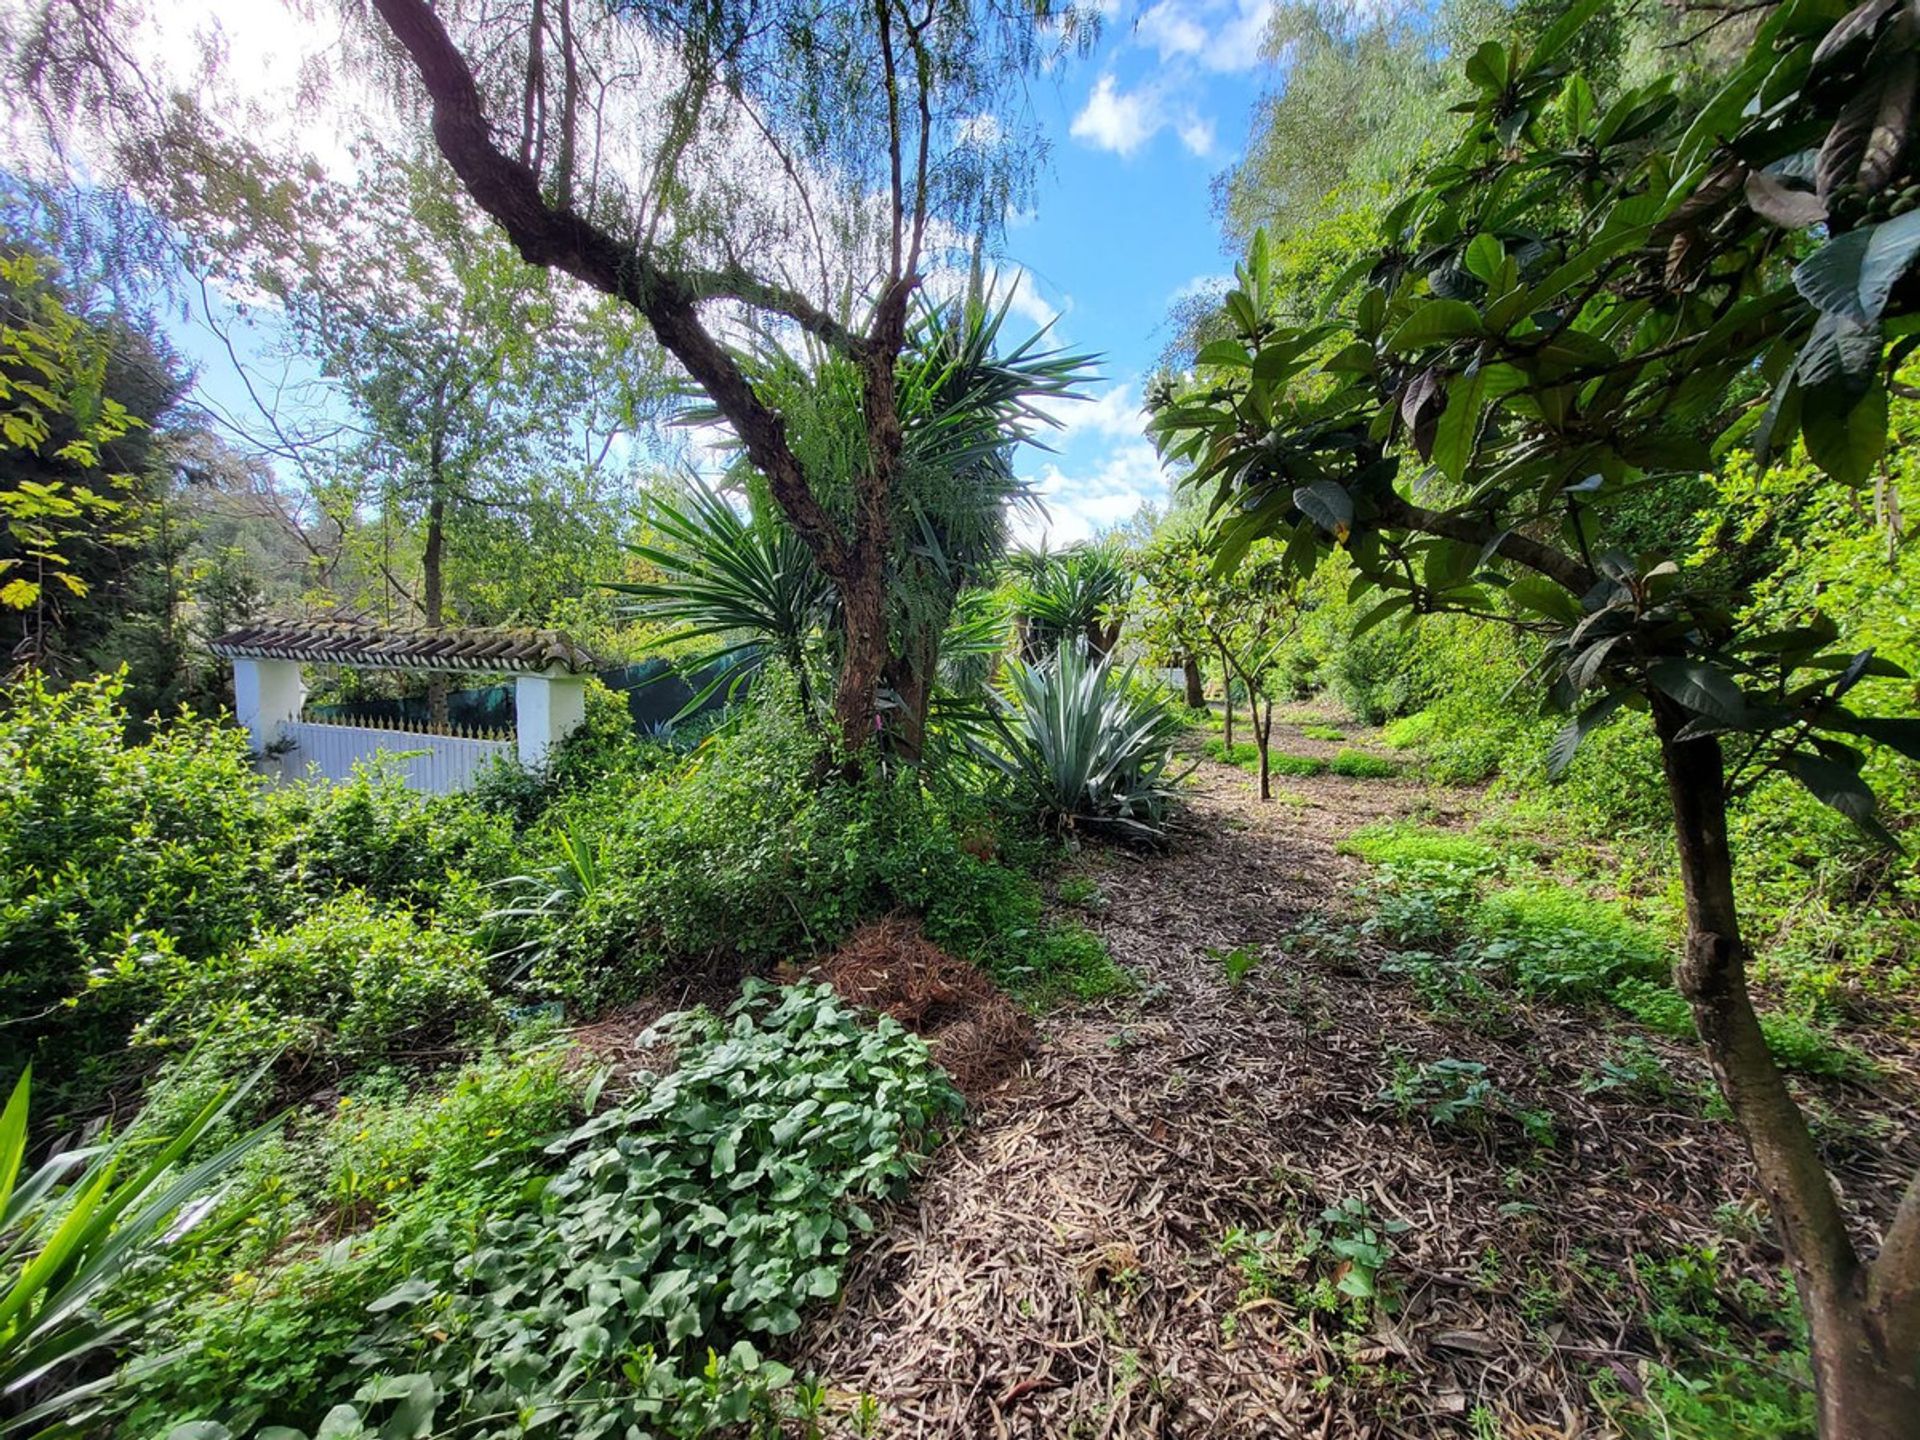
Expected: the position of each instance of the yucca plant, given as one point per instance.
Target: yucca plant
(542, 900)
(745, 581)
(1069, 596)
(1085, 746)
(67, 1232)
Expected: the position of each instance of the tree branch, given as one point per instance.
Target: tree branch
(1556, 565)
(563, 239)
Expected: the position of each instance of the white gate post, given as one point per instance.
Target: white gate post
(267, 694)
(546, 709)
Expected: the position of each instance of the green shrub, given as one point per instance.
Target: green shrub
(1359, 765)
(1396, 842)
(1658, 1006)
(739, 853)
(1461, 1095)
(606, 749)
(107, 849)
(398, 845)
(1798, 1044)
(629, 1292)
(395, 1136)
(1418, 903)
(1279, 762)
(1556, 941)
(351, 985)
(1215, 748)
(1410, 731)
(1733, 1349)
(1064, 958)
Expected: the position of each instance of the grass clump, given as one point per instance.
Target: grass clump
(1411, 731)
(1323, 732)
(1553, 940)
(1396, 842)
(1064, 959)
(1279, 762)
(1359, 765)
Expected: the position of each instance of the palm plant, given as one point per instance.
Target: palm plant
(68, 1231)
(964, 407)
(1083, 745)
(743, 580)
(1070, 595)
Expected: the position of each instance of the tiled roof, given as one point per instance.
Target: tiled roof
(372, 647)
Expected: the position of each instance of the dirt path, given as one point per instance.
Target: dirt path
(1062, 1271)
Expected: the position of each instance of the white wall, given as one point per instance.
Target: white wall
(438, 764)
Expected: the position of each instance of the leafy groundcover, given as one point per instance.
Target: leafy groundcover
(682, 1231)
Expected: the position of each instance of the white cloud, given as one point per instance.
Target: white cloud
(1209, 285)
(1116, 413)
(1028, 303)
(1118, 121)
(1124, 120)
(1196, 134)
(1171, 30)
(1080, 501)
(1221, 35)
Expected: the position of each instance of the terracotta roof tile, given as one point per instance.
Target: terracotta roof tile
(373, 647)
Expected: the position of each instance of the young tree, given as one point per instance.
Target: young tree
(1250, 616)
(1579, 303)
(1170, 569)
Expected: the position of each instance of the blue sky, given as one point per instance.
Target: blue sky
(1125, 224)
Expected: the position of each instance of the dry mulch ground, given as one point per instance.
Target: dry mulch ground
(1061, 1270)
(976, 1034)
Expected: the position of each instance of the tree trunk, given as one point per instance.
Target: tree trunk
(910, 677)
(433, 587)
(1226, 696)
(1263, 735)
(1863, 1321)
(1196, 683)
(863, 613)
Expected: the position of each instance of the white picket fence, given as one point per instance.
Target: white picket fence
(438, 764)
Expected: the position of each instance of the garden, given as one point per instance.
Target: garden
(1412, 933)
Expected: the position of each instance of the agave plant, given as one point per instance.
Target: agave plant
(71, 1228)
(1084, 745)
